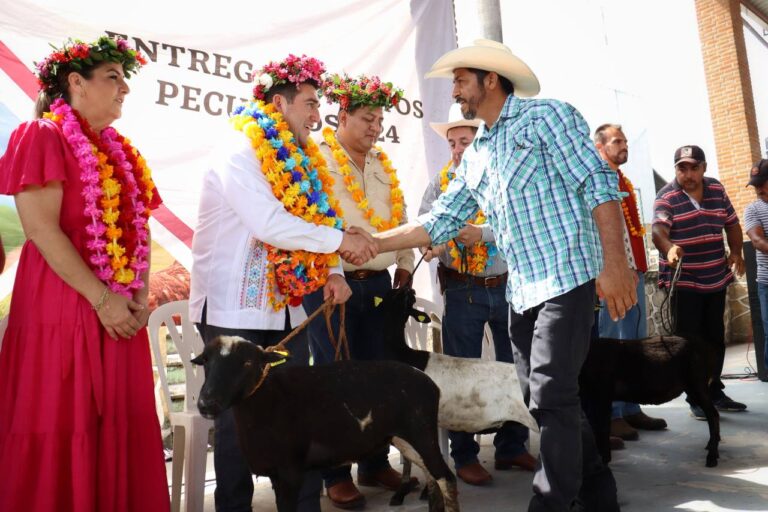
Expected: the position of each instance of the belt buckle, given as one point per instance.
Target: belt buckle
(488, 279)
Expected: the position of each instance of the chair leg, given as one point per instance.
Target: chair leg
(177, 467)
(194, 471)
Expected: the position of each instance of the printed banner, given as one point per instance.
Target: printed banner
(200, 66)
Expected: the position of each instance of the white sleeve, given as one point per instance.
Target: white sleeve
(246, 190)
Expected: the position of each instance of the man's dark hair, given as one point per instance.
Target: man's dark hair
(600, 137)
(506, 84)
(288, 90)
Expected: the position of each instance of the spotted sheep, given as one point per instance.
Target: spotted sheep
(475, 395)
(291, 419)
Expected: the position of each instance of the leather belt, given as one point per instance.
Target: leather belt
(363, 274)
(487, 282)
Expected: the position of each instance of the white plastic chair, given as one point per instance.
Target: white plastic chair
(190, 429)
(417, 337)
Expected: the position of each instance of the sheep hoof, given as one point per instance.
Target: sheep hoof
(396, 500)
(711, 461)
(424, 494)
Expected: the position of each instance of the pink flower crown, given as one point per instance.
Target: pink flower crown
(75, 55)
(292, 69)
(363, 91)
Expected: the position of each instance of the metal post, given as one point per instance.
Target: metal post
(477, 19)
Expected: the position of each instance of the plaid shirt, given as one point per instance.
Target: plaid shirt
(537, 176)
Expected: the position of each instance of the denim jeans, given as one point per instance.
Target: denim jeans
(633, 326)
(762, 294)
(364, 324)
(234, 483)
(468, 307)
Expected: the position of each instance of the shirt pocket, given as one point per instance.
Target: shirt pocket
(520, 165)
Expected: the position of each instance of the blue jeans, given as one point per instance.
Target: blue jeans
(633, 326)
(365, 328)
(234, 484)
(467, 309)
(762, 294)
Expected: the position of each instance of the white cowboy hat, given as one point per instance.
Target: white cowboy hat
(489, 56)
(455, 119)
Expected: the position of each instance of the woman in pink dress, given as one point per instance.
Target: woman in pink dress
(78, 430)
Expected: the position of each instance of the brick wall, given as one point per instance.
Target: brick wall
(730, 95)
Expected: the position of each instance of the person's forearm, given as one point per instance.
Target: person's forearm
(734, 237)
(61, 256)
(610, 226)
(408, 236)
(661, 239)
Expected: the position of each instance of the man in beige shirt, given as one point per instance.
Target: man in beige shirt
(367, 188)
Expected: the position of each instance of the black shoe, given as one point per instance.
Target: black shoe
(698, 413)
(725, 404)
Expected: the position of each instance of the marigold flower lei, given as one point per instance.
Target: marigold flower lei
(74, 55)
(634, 225)
(480, 255)
(118, 191)
(395, 194)
(300, 180)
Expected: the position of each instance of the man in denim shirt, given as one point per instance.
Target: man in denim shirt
(552, 204)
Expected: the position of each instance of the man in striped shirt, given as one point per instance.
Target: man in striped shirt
(552, 203)
(756, 224)
(690, 214)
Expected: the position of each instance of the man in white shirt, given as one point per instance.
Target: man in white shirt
(246, 238)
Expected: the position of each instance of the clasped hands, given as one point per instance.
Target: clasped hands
(358, 246)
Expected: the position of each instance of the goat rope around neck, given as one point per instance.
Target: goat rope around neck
(327, 307)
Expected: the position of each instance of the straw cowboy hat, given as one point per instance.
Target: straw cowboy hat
(489, 56)
(455, 119)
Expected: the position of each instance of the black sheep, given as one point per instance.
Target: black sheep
(649, 371)
(303, 418)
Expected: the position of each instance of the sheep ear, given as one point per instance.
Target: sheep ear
(419, 316)
(377, 301)
(274, 357)
(198, 360)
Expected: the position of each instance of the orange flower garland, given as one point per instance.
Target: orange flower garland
(300, 180)
(633, 221)
(479, 256)
(396, 195)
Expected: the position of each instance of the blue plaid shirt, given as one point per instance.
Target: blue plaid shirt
(537, 175)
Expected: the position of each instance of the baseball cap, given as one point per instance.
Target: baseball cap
(693, 154)
(759, 173)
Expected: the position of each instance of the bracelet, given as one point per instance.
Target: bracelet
(102, 299)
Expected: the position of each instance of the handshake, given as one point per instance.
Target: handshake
(358, 246)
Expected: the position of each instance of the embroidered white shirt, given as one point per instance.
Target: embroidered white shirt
(237, 215)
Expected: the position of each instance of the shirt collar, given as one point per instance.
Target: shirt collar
(510, 109)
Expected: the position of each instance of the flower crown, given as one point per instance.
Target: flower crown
(293, 69)
(75, 55)
(363, 91)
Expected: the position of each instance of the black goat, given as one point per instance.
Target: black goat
(301, 418)
(648, 371)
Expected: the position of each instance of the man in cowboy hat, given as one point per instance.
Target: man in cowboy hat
(552, 203)
(473, 292)
(690, 214)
